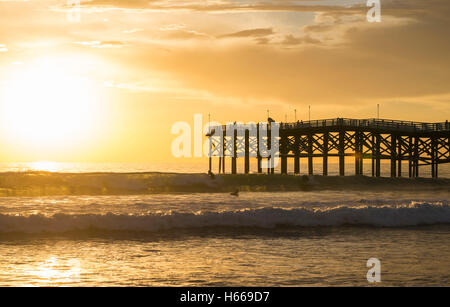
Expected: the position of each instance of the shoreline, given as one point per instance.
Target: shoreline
(13, 184)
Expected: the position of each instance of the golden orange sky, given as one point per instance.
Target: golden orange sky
(130, 69)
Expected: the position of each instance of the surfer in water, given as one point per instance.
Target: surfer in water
(235, 193)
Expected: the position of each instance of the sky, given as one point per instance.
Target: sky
(109, 86)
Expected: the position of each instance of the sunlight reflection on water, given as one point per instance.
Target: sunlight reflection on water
(53, 271)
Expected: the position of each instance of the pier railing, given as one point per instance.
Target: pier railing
(370, 123)
(388, 124)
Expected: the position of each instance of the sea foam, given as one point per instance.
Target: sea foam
(414, 214)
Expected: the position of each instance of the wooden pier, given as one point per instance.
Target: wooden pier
(420, 144)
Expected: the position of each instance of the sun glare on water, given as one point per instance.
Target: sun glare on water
(46, 103)
(46, 166)
(54, 272)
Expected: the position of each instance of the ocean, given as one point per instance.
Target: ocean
(170, 225)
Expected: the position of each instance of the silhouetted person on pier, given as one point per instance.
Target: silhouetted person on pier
(211, 174)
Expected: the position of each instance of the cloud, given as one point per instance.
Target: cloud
(132, 31)
(292, 40)
(119, 4)
(180, 32)
(173, 27)
(404, 56)
(336, 59)
(250, 33)
(186, 34)
(225, 6)
(102, 44)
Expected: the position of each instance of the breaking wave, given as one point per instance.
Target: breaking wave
(414, 214)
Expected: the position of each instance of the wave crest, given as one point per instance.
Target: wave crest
(414, 214)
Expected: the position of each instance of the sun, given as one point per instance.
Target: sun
(48, 103)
